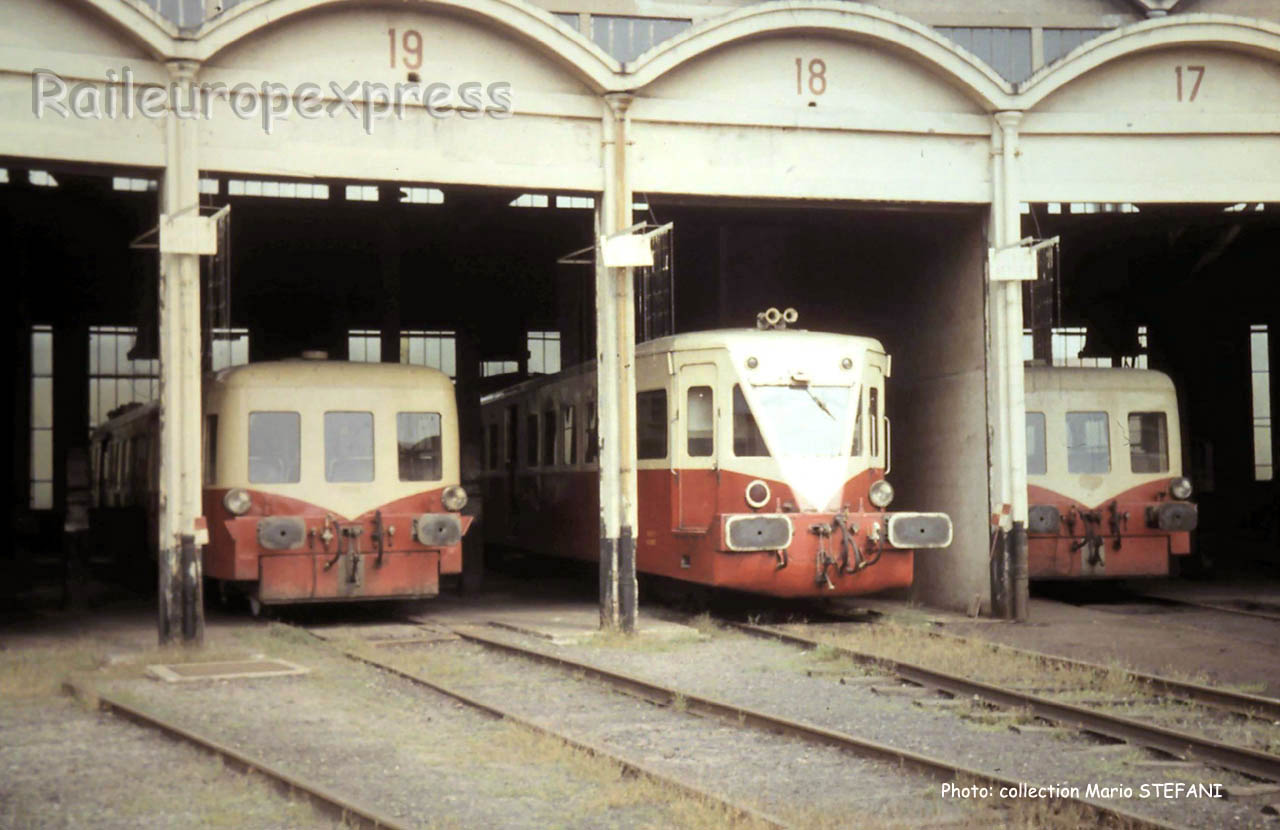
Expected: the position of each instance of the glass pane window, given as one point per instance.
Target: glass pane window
(1088, 443)
(544, 352)
(651, 424)
(1037, 458)
(701, 421)
(210, 449)
(569, 442)
(856, 451)
(747, 440)
(805, 420)
(873, 416)
(1148, 442)
(418, 444)
(348, 446)
(1260, 366)
(274, 448)
(40, 484)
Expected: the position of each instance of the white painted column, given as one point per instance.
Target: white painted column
(616, 386)
(1005, 303)
(181, 601)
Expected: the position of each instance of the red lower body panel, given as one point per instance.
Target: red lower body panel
(303, 577)
(1051, 557)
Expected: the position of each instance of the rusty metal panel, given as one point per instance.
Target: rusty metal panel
(286, 578)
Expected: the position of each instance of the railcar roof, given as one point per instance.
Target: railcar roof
(1077, 378)
(719, 338)
(299, 372)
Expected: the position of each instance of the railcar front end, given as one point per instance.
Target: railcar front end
(1106, 495)
(332, 481)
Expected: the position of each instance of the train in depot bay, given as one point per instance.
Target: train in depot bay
(324, 481)
(1106, 494)
(762, 457)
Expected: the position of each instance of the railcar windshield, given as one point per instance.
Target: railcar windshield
(805, 420)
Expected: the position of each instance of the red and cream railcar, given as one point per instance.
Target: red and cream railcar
(1106, 493)
(761, 465)
(325, 481)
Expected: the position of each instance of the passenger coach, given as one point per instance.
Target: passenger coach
(762, 457)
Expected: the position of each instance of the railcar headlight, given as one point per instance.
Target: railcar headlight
(881, 494)
(757, 493)
(1180, 488)
(237, 501)
(453, 498)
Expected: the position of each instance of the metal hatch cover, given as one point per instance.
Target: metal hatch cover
(225, 670)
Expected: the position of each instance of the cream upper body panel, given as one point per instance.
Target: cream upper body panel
(1120, 393)
(312, 388)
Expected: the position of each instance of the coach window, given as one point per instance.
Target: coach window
(701, 422)
(1148, 442)
(856, 450)
(1037, 457)
(348, 446)
(593, 435)
(418, 445)
(1088, 444)
(651, 424)
(747, 440)
(569, 435)
(549, 437)
(873, 419)
(274, 448)
(531, 436)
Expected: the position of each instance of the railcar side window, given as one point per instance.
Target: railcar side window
(1148, 442)
(531, 436)
(492, 444)
(348, 446)
(570, 442)
(856, 451)
(593, 434)
(549, 437)
(651, 424)
(873, 415)
(747, 440)
(418, 444)
(1037, 457)
(1088, 444)
(275, 451)
(701, 421)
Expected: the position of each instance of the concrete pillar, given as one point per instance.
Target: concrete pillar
(1009, 445)
(181, 613)
(616, 385)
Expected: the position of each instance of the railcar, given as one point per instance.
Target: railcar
(323, 481)
(762, 457)
(1106, 494)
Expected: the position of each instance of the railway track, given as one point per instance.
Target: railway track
(756, 719)
(342, 809)
(1244, 608)
(592, 748)
(1179, 744)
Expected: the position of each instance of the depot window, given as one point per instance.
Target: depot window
(747, 440)
(1148, 442)
(418, 444)
(1037, 457)
(701, 422)
(348, 446)
(651, 424)
(1088, 444)
(274, 448)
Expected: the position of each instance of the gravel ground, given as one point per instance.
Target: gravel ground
(783, 680)
(63, 766)
(805, 785)
(405, 752)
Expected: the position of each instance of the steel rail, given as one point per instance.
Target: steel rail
(1179, 744)
(341, 808)
(1211, 606)
(629, 766)
(812, 733)
(1242, 703)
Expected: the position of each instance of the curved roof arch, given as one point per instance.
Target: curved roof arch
(140, 23)
(947, 59)
(1223, 31)
(561, 45)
